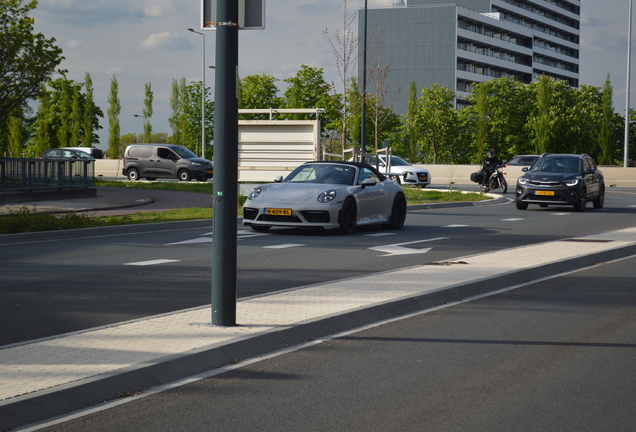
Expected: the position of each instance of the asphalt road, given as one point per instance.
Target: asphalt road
(551, 356)
(59, 282)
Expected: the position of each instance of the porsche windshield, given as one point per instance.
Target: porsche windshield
(322, 173)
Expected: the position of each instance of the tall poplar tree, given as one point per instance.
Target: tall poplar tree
(148, 98)
(88, 118)
(16, 137)
(114, 109)
(605, 127)
(76, 117)
(42, 123)
(65, 107)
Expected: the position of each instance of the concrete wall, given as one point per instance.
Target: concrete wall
(441, 174)
(460, 174)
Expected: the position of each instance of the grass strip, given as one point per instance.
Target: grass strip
(29, 220)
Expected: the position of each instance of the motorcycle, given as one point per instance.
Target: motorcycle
(496, 180)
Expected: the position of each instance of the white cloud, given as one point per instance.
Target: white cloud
(166, 41)
(74, 44)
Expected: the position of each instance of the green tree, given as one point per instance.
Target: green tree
(63, 133)
(76, 117)
(437, 123)
(90, 121)
(27, 59)
(16, 137)
(308, 89)
(148, 98)
(543, 121)
(258, 92)
(411, 124)
(42, 139)
(193, 118)
(179, 119)
(114, 109)
(605, 127)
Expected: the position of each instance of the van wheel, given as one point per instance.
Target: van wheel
(184, 175)
(133, 174)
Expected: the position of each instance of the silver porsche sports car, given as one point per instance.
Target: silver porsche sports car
(330, 195)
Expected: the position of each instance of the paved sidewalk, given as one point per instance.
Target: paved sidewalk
(58, 375)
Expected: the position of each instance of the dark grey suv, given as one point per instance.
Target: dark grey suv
(561, 179)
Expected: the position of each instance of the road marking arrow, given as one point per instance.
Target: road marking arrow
(399, 249)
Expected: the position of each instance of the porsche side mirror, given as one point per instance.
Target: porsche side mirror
(368, 182)
(278, 179)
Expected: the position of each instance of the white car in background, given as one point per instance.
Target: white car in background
(401, 171)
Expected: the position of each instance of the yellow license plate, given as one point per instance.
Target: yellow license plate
(278, 212)
(549, 193)
(423, 177)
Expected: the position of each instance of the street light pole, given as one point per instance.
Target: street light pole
(363, 122)
(202, 94)
(629, 61)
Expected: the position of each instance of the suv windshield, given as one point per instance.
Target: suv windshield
(562, 165)
(183, 152)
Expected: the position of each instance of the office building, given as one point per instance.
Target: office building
(460, 43)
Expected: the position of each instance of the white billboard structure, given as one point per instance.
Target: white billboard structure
(251, 15)
(269, 148)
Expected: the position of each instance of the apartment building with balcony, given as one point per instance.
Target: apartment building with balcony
(457, 44)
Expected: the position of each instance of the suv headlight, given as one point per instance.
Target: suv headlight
(523, 181)
(255, 192)
(326, 196)
(197, 164)
(572, 182)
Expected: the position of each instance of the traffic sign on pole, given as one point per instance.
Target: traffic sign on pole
(251, 15)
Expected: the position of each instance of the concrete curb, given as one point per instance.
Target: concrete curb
(57, 401)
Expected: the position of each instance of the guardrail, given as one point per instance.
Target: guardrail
(34, 174)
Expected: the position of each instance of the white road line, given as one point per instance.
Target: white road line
(453, 226)
(192, 241)
(382, 234)
(561, 214)
(512, 219)
(283, 246)
(152, 262)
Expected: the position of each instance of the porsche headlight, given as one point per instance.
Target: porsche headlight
(572, 182)
(255, 192)
(326, 196)
(523, 181)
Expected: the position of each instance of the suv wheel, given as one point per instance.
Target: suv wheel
(184, 175)
(581, 204)
(133, 174)
(521, 205)
(599, 201)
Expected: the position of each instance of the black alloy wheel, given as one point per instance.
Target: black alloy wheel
(398, 213)
(348, 216)
(581, 204)
(599, 201)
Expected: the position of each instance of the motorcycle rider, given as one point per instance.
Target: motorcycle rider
(490, 165)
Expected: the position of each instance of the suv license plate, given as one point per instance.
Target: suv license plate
(548, 193)
(278, 212)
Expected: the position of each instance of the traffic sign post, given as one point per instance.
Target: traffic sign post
(251, 15)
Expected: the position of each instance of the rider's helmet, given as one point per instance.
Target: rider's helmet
(491, 154)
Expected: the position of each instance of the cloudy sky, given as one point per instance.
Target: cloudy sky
(141, 41)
